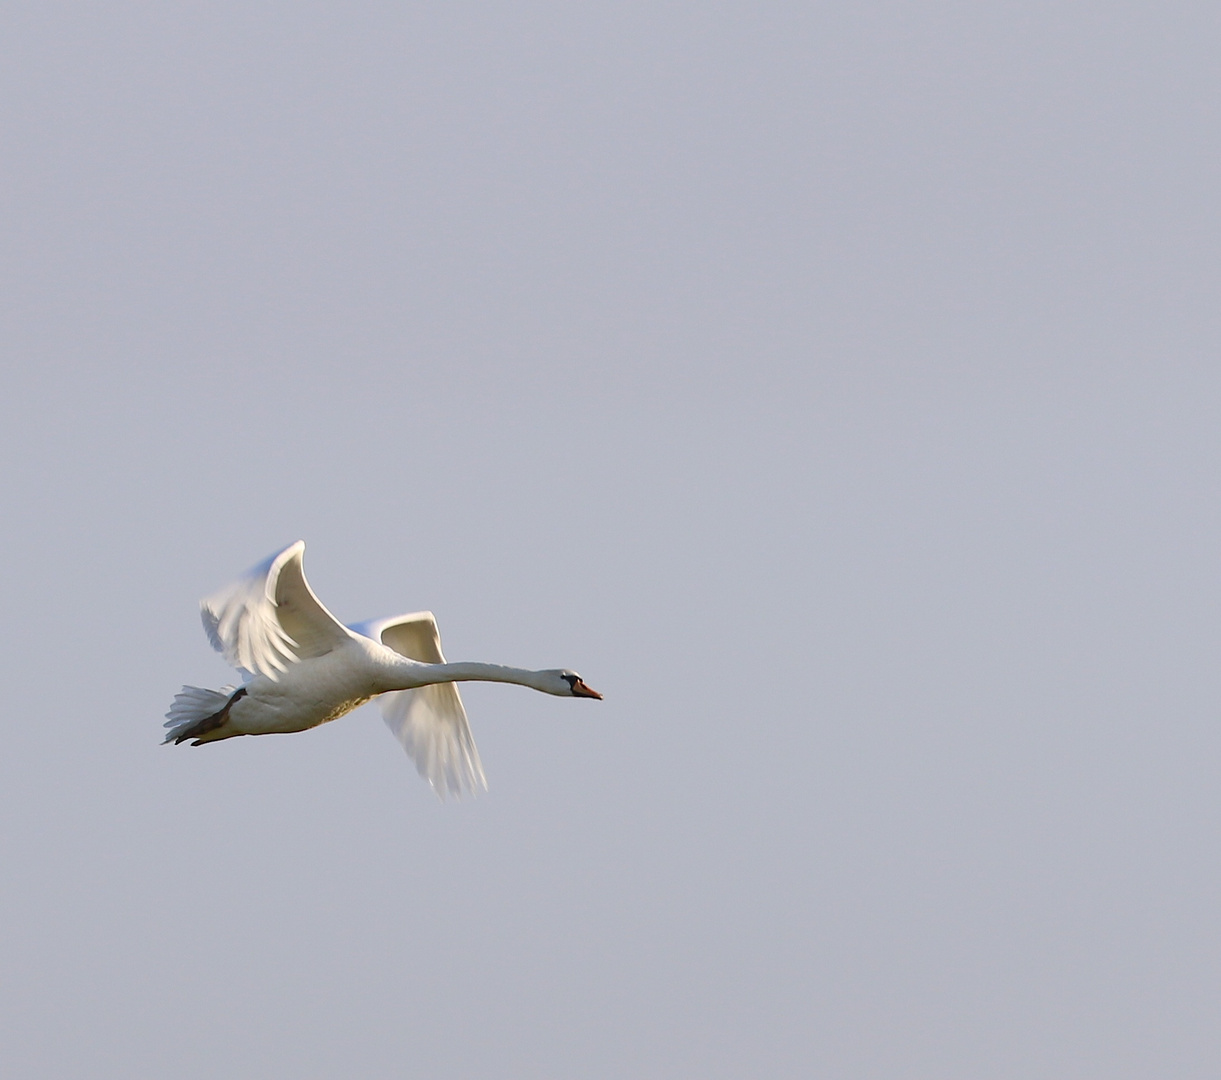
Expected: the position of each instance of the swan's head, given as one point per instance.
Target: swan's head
(566, 683)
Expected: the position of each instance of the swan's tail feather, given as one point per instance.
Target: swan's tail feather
(197, 711)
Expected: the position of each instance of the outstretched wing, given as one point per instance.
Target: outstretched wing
(429, 721)
(270, 618)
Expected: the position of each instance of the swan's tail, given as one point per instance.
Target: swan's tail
(197, 711)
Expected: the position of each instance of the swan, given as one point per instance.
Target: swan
(301, 667)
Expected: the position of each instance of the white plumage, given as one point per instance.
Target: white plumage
(301, 667)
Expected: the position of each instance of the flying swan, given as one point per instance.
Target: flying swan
(301, 667)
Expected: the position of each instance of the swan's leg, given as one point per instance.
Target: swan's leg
(202, 728)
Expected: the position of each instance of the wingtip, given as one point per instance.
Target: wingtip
(473, 787)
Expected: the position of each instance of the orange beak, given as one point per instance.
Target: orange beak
(579, 689)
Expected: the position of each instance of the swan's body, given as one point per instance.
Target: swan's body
(302, 667)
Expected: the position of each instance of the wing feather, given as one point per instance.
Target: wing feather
(429, 721)
(270, 618)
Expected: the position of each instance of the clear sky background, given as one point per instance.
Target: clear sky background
(835, 386)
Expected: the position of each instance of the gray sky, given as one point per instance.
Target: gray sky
(834, 386)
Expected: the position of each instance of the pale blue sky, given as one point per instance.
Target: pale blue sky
(835, 387)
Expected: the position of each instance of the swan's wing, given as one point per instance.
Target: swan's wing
(270, 618)
(430, 721)
(414, 636)
(431, 724)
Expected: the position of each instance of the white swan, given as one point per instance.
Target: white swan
(301, 667)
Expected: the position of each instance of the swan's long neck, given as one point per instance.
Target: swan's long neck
(413, 675)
